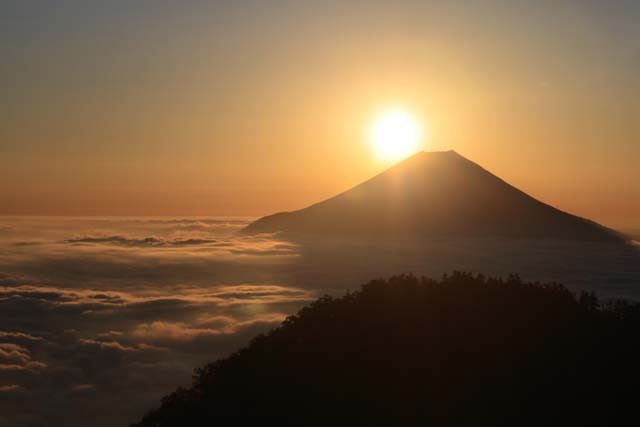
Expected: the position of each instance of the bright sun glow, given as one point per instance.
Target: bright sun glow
(395, 134)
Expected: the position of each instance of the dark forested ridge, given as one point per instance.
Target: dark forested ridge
(463, 349)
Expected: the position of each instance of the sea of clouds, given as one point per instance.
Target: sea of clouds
(100, 317)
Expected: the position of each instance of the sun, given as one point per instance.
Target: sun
(395, 134)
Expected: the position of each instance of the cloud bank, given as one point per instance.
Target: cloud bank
(101, 317)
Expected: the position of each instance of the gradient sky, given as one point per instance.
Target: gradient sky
(250, 107)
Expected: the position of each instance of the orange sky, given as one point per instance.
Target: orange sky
(247, 109)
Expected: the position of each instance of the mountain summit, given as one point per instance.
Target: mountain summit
(434, 194)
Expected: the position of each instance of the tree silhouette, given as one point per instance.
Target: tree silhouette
(460, 350)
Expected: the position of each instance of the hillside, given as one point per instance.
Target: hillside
(460, 350)
(434, 194)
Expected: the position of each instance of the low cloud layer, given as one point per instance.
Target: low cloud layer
(85, 342)
(145, 241)
(100, 317)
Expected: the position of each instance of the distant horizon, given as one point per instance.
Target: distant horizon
(616, 223)
(622, 226)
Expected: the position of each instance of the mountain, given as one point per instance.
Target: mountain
(434, 194)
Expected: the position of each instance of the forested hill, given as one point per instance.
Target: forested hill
(463, 349)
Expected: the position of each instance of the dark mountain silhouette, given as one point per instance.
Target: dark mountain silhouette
(434, 194)
(465, 350)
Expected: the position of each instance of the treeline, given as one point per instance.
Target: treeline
(465, 349)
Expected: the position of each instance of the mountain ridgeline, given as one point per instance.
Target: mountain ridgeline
(434, 194)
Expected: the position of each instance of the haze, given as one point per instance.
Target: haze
(241, 108)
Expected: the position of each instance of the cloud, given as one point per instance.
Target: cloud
(108, 313)
(10, 388)
(170, 331)
(275, 250)
(19, 336)
(74, 343)
(160, 331)
(236, 222)
(28, 243)
(140, 254)
(114, 313)
(146, 241)
(14, 357)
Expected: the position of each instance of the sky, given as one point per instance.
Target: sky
(251, 107)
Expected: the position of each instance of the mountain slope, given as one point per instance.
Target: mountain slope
(464, 350)
(434, 194)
